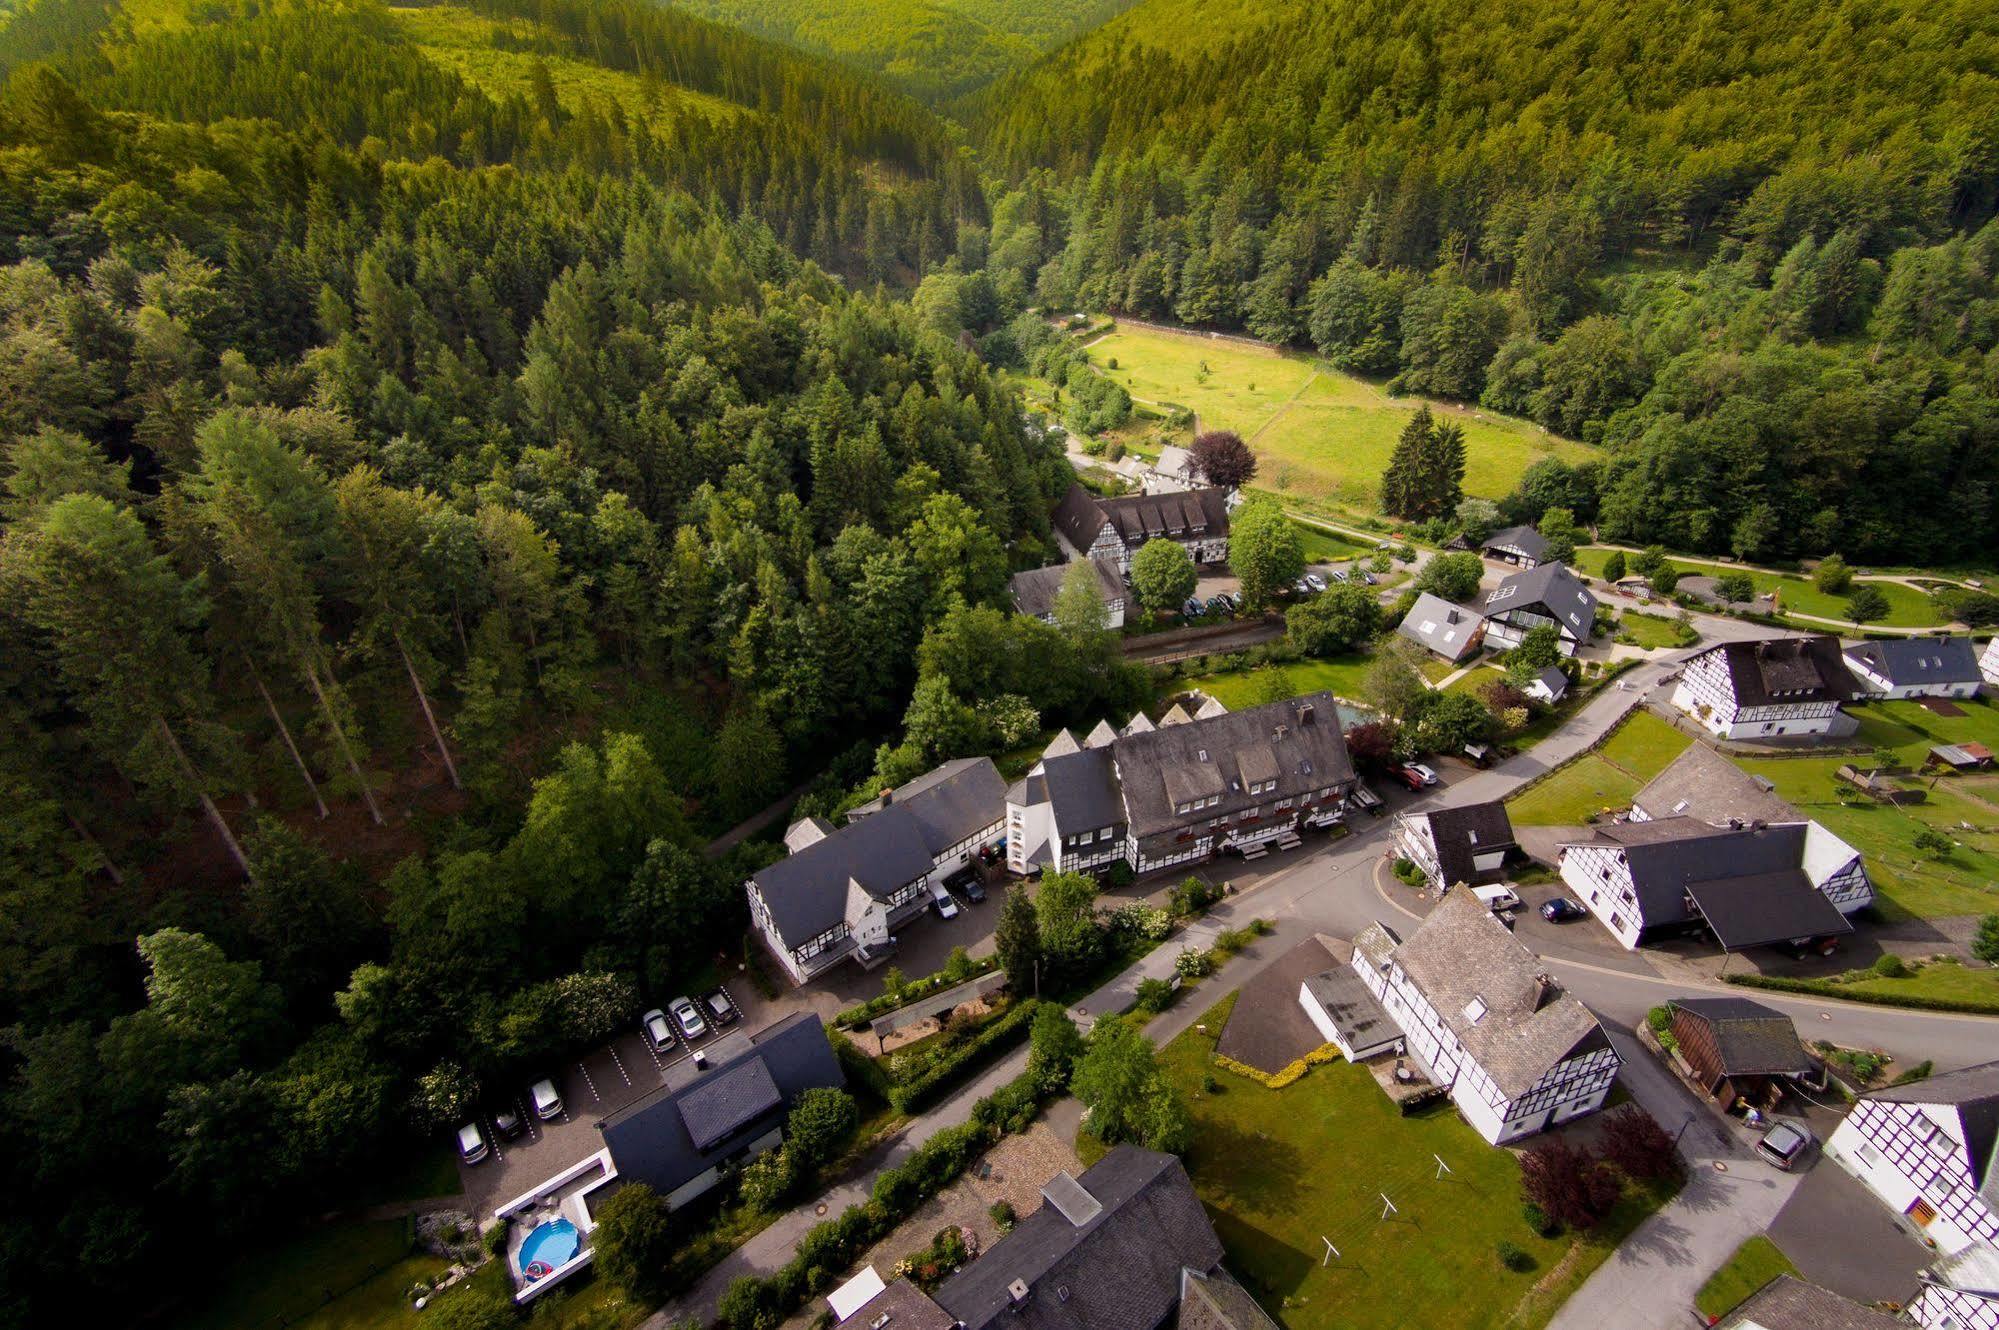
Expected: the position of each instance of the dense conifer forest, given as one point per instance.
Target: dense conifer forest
(456, 460)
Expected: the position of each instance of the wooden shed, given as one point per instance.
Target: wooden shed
(1739, 1050)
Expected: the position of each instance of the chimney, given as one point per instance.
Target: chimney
(1280, 732)
(1017, 1291)
(1306, 716)
(1545, 989)
(700, 1060)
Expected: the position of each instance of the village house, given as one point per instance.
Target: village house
(1034, 591)
(844, 891)
(1545, 594)
(1516, 544)
(1451, 631)
(1776, 687)
(1916, 667)
(1157, 796)
(1516, 1052)
(1748, 886)
(1789, 1303)
(1550, 686)
(1468, 843)
(1173, 473)
(1961, 1291)
(1930, 1151)
(1116, 529)
(1988, 664)
(1739, 1051)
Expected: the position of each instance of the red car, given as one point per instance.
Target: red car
(1412, 779)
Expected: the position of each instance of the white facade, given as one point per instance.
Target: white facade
(1941, 1308)
(1568, 1090)
(1910, 1155)
(1880, 685)
(1416, 841)
(1988, 664)
(1706, 693)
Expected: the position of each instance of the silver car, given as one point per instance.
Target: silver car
(471, 1145)
(688, 1018)
(658, 1032)
(547, 1099)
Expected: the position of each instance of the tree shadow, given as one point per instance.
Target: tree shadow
(1249, 1172)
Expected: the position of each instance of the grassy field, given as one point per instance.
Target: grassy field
(1323, 546)
(1649, 630)
(1910, 882)
(1602, 780)
(350, 1276)
(1280, 1169)
(1236, 689)
(1907, 607)
(1755, 1263)
(1317, 431)
(1945, 980)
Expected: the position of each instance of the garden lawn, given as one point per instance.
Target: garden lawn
(1473, 681)
(1281, 1169)
(1649, 630)
(1755, 1263)
(350, 1276)
(1603, 780)
(1236, 689)
(1945, 981)
(1323, 546)
(1907, 607)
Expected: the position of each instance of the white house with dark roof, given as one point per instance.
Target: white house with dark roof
(1467, 843)
(1988, 663)
(1035, 590)
(1546, 594)
(1116, 529)
(1788, 1303)
(843, 892)
(1749, 886)
(1961, 1291)
(1451, 631)
(1930, 1151)
(1516, 544)
(1155, 797)
(1772, 688)
(1516, 1052)
(1916, 667)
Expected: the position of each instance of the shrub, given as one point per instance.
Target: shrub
(1637, 1144)
(1193, 896)
(496, 1238)
(996, 1035)
(1231, 940)
(768, 1179)
(1660, 1018)
(1209, 1084)
(1154, 996)
(1985, 946)
(1891, 966)
(1920, 1072)
(1001, 1213)
(1056, 1045)
(1570, 1184)
(1513, 1257)
(1192, 964)
(819, 1125)
(1934, 843)
(1140, 921)
(1537, 1219)
(634, 1242)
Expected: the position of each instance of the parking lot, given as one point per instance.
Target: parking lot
(592, 1087)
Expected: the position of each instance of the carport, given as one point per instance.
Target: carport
(1762, 908)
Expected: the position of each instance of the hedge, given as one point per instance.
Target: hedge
(856, 1016)
(830, 1247)
(1819, 988)
(1286, 1075)
(999, 1034)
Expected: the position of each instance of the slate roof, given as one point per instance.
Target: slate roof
(1296, 742)
(1701, 783)
(1217, 1302)
(906, 1307)
(1973, 1269)
(1120, 1270)
(1447, 629)
(1548, 588)
(1034, 591)
(1787, 669)
(1187, 515)
(1079, 518)
(1748, 877)
(949, 803)
(1919, 660)
(1176, 462)
(1466, 830)
(1461, 952)
(1554, 680)
(1974, 1093)
(1355, 1012)
(664, 1139)
(1524, 538)
(1788, 1303)
(1083, 789)
(1752, 1039)
(806, 892)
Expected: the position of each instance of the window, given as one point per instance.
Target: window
(1475, 1010)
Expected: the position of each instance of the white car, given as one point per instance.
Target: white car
(547, 1099)
(1429, 776)
(1316, 582)
(471, 1145)
(940, 900)
(688, 1018)
(658, 1033)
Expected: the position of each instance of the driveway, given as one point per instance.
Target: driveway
(1839, 1235)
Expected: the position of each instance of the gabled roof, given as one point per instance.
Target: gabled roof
(1904, 661)
(1119, 1269)
(1749, 876)
(1079, 518)
(1551, 589)
(1210, 708)
(1703, 784)
(1465, 830)
(1973, 1269)
(1449, 630)
(1063, 742)
(905, 1305)
(949, 803)
(1554, 680)
(1786, 669)
(1296, 742)
(1082, 790)
(1217, 1302)
(662, 1139)
(1972, 1093)
(1751, 1039)
(1493, 994)
(1523, 538)
(1186, 515)
(806, 892)
(1035, 590)
(1788, 1303)
(1100, 735)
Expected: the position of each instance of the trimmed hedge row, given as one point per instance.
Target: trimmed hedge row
(998, 1035)
(859, 1015)
(830, 1247)
(1819, 988)
(1288, 1074)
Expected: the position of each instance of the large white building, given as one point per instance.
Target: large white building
(1516, 1053)
(1930, 1151)
(844, 891)
(1546, 595)
(1916, 667)
(1777, 687)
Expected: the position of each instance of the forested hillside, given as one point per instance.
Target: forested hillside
(429, 510)
(933, 49)
(1747, 247)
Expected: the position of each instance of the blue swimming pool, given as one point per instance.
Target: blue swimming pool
(548, 1247)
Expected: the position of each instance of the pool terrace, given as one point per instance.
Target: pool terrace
(569, 1196)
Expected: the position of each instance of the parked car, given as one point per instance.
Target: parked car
(992, 854)
(1428, 774)
(1407, 776)
(508, 1123)
(1232, 600)
(688, 1018)
(966, 883)
(940, 901)
(471, 1145)
(1302, 587)
(1785, 1145)
(1561, 909)
(1192, 609)
(720, 1009)
(659, 1032)
(1499, 899)
(547, 1099)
